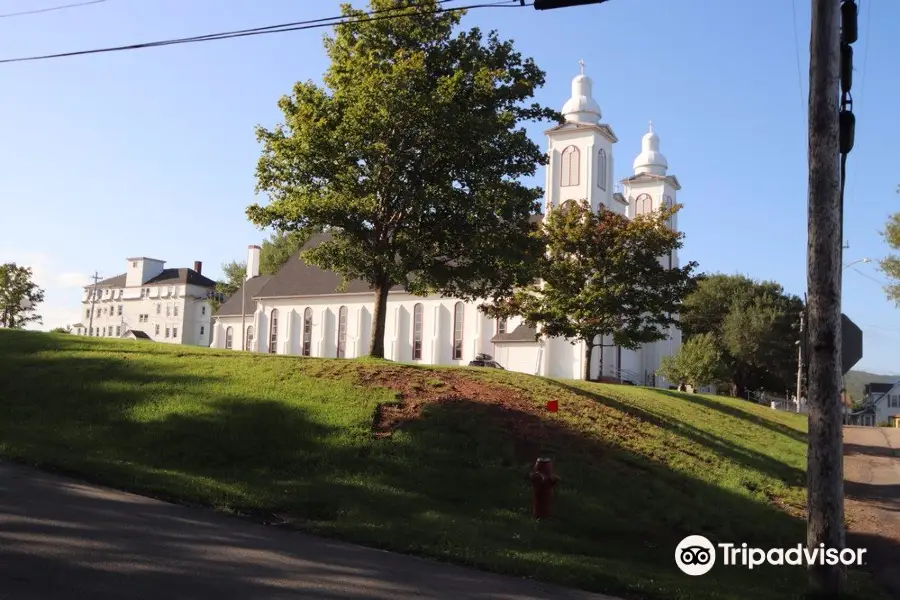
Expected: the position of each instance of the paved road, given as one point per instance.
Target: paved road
(63, 539)
(872, 487)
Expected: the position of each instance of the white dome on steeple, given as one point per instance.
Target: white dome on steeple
(581, 107)
(650, 160)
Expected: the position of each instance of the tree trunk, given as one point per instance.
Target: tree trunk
(588, 354)
(600, 367)
(376, 346)
(825, 473)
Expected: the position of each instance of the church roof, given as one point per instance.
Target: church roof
(232, 306)
(522, 333)
(297, 278)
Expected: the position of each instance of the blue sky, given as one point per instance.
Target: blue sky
(152, 152)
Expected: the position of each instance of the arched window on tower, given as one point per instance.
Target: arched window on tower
(643, 205)
(601, 169)
(669, 204)
(571, 163)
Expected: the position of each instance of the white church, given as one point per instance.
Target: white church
(298, 311)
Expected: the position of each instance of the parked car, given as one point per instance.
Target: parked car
(485, 360)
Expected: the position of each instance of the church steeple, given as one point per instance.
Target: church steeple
(650, 160)
(581, 107)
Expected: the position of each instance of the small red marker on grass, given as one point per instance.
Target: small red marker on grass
(552, 405)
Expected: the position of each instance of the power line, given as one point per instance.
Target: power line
(282, 28)
(50, 9)
(797, 54)
(869, 277)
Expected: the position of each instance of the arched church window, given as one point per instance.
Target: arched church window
(643, 205)
(671, 221)
(249, 342)
(342, 333)
(273, 329)
(307, 331)
(601, 169)
(571, 163)
(458, 330)
(418, 313)
(229, 334)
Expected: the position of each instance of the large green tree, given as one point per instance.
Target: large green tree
(19, 296)
(697, 363)
(602, 276)
(274, 252)
(891, 264)
(411, 156)
(754, 325)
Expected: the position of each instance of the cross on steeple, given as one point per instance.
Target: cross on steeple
(651, 125)
(581, 62)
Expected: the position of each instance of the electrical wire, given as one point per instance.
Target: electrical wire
(797, 54)
(869, 277)
(282, 28)
(49, 9)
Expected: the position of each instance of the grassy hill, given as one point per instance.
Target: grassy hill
(430, 461)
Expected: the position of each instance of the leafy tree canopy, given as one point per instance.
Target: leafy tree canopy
(411, 157)
(891, 264)
(697, 363)
(753, 324)
(603, 275)
(19, 297)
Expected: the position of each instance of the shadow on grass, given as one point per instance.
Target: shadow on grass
(737, 413)
(449, 485)
(740, 455)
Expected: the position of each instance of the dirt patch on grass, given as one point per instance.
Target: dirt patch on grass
(416, 389)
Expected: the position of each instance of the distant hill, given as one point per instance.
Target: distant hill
(854, 381)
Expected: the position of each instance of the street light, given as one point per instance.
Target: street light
(857, 261)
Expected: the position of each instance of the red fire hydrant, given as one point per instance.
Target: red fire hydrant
(542, 482)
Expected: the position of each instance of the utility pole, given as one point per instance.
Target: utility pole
(96, 278)
(825, 472)
(801, 357)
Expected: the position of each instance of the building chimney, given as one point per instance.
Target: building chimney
(198, 266)
(253, 261)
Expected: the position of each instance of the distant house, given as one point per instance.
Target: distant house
(881, 404)
(171, 306)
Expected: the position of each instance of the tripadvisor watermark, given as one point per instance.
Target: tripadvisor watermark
(696, 555)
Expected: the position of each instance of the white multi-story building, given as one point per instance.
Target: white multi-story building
(150, 301)
(300, 311)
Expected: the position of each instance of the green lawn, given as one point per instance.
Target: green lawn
(291, 439)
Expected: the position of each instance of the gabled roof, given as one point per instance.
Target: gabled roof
(167, 277)
(297, 278)
(188, 276)
(138, 334)
(117, 281)
(522, 333)
(673, 181)
(232, 306)
(879, 391)
(602, 128)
